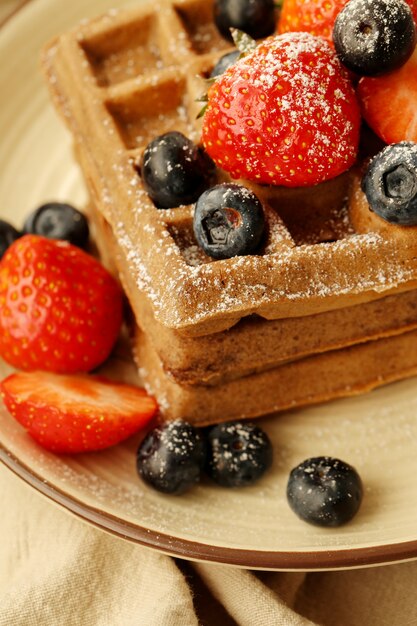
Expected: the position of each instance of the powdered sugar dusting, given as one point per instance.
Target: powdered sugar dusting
(287, 277)
(186, 289)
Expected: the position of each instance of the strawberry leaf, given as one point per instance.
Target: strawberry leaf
(203, 110)
(243, 42)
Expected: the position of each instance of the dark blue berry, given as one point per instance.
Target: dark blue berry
(373, 37)
(224, 62)
(228, 221)
(171, 457)
(254, 17)
(238, 453)
(174, 170)
(390, 183)
(324, 491)
(57, 220)
(8, 234)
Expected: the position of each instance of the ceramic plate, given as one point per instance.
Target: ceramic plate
(253, 527)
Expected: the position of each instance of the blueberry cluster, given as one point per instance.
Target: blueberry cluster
(371, 37)
(173, 456)
(54, 220)
(228, 218)
(374, 38)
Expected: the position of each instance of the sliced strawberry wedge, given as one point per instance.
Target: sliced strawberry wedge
(69, 414)
(389, 103)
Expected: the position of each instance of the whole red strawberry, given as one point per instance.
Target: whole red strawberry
(71, 414)
(60, 310)
(286, 114)
(316, 16)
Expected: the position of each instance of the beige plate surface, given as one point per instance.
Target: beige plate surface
(252, 527)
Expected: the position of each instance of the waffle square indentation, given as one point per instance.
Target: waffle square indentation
(127, 51)
(197, 19)
(150, 111)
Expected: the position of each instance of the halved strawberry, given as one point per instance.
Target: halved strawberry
(389, 103)
(69, 414)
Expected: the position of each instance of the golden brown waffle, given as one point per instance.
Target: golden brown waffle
(255, 344)
(121, 80)
(312, 380)
(210, 379)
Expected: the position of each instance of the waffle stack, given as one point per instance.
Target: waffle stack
(327, 308)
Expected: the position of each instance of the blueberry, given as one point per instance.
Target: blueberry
(171, 457)
(324, 491)
(390, 183)
(254, 17)
(224, 62)
(238, 454)
(57, 220)
(174, 170)
(228, 221)
(373, 37)
(8, 234)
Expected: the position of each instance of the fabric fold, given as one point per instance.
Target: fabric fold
(56, 570)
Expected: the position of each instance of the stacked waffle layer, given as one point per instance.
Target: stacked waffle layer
(325, 309)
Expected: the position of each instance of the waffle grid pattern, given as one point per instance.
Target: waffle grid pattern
(129, 76)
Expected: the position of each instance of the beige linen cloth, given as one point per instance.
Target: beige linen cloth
(7, 7)
(56, 570)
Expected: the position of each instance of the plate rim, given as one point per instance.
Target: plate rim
(305, 561)
(295, 561)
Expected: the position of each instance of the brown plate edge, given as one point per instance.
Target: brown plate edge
(193, 550)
